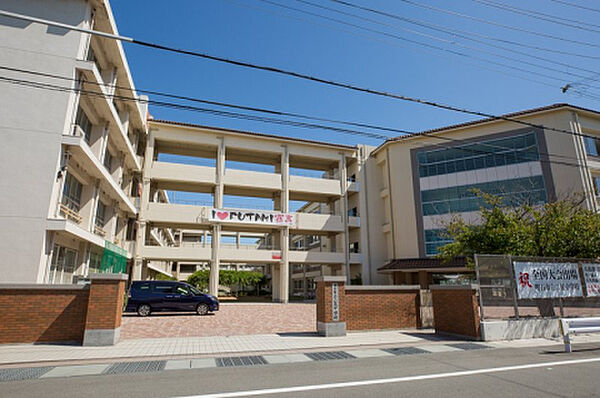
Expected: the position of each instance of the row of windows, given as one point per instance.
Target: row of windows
(434, 239)
(464, 198)
(484, 154)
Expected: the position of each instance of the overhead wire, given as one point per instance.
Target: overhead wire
(539, 15)
(504, 26)
(211, 102)
(512, 67)
(434, 51)
(571, 4)
(453, 42)
(277, 70)
(468, 35)
(52, 87)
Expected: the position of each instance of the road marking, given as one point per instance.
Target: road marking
(360, 383)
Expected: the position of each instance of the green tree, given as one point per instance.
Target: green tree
(226, 278)
(563, 228)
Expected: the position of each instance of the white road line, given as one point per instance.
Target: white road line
(360, 383)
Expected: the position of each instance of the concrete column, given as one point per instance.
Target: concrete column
(284, 236)
(140, 241)
(220, 170)
(343, 174)
(204, 238)
(94, 209)
(275, 282)
(238, 239)
(104, 142)
(213, 283)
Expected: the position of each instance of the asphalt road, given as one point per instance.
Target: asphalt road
(532, 372)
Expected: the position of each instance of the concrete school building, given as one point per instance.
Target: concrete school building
(90, 172)
(416, 183)
(72, 160)
(221, 166)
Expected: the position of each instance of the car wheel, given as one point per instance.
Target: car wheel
(202, 309)
(144, 310)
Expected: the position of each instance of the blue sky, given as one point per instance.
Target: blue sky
(263, 33)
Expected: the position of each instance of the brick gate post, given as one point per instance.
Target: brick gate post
(105, 308)
(331, 305)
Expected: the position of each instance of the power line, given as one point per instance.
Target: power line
(217, 103)
(486, 21)
(468, 35)
(51, 87)
(539, 15)
(164, 104)
(452, 42)
(354, 32)
(568, 3)
(302, 76)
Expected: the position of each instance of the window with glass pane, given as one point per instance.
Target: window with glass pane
(71, 197)
(489, 153)
(464, 198)
(596, 180)
(62, 265)
(95, 260)
(84, 124)
(101, 214)
(592, 146)
(108, 160)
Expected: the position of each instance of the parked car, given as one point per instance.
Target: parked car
(146, 297)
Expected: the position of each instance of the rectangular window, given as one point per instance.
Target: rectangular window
(596, 180)
(62, 265)
(434, 239)
(108, 160)
(464, 198)
(95, 260)
(354, 247)
(84, 124)
(101, 214)
(483, 154)
(592, 146)
(131, 229)
(72, 193)
(353, 212)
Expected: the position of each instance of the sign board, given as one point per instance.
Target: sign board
(547, 280)
(254, 217)
(335, 302)
(591, 276)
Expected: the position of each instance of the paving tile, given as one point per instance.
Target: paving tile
(178, 364)
(203, 363)
(369, 353)
(298, 358)
(276, 359)
(437, 348)
(76, 370)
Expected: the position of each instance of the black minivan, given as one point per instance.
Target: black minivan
(150, 296)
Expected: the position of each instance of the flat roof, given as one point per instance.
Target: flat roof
(254, 134)
(486, 120)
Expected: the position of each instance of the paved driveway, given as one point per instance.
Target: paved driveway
(231, 320)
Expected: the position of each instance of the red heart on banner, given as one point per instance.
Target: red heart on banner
(222, 215)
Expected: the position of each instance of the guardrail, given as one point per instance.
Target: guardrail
(570, 326)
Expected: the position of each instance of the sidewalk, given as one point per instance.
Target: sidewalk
(263, 344)
(210, 346)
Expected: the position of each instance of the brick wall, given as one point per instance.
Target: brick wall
(456, 310)
(59, 313)
(371, 309)
(105, 305)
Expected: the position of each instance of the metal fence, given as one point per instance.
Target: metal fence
(498, 297)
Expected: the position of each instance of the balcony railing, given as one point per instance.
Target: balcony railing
(99, 231)
(70, 214)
